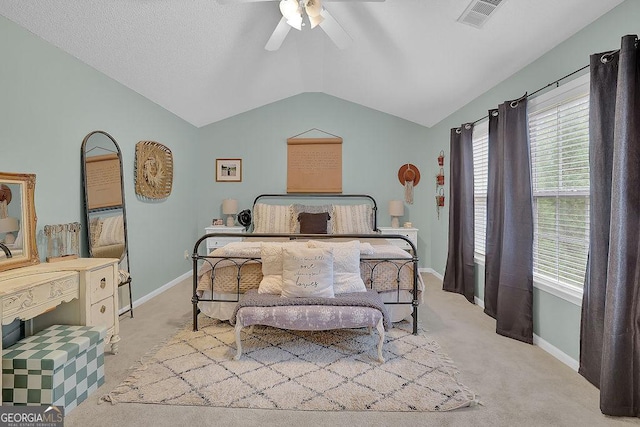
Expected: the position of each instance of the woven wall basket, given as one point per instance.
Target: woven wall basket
(154, 170)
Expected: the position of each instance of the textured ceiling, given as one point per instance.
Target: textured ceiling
(204, 60)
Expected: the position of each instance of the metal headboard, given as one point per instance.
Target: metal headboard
(311, 196)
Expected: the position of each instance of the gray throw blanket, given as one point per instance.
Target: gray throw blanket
(370, 298)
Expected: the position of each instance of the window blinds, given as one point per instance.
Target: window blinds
(480, 168)
(559, 136)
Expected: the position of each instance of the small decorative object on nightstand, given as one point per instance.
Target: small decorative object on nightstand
(218, 242)
(409, 233)
(396, 209)
(230, 208)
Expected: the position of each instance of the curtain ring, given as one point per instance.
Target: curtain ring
(467, 126)
(494, 113)
(607, 57)
(458, 130)
(515, 103)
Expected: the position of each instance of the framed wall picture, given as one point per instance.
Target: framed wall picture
(229, 170)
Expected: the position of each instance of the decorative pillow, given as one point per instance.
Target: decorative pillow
(297, 209)
(307, 272)
(366, 248)
(352, 219)
(346, 265)
(112, 231)
(271, 254)
(272, 218)
(313, 223)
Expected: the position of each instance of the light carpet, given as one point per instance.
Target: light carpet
(327, 371)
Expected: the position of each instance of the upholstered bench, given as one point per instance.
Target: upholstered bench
(61, 365)
(354, 310)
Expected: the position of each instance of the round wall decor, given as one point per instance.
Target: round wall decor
(154, 170)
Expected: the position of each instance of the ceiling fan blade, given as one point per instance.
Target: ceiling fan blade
(334, 30)
(278, 35)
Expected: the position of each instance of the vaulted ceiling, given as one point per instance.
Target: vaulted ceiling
(204, 60)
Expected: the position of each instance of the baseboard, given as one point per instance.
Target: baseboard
(431, 271)
(479, 302)
(157, 292)
(556, 352)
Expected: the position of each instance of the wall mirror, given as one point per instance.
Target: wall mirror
(105, 212)
(17, 221)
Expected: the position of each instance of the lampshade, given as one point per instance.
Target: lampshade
(396, 208)
(9, 224)
(229, 206)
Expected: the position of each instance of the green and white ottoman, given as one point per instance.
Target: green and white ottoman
(61, 365)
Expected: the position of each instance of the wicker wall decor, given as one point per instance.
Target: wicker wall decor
(154, 170)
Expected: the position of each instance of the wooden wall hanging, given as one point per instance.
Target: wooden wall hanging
(154, 170)
(314, 165)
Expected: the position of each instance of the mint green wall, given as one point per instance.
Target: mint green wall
(49, 101)
(557, 321)
(375, 145)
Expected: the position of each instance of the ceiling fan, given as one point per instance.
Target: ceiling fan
(293, 16)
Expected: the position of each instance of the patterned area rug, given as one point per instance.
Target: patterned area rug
(327, 371)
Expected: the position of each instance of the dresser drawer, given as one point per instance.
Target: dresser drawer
(409, 233)
(102, 313)
(218, 242)
(101, 283)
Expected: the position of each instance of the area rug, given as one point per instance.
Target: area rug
(326, 371)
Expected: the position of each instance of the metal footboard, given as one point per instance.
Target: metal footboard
(372, 265)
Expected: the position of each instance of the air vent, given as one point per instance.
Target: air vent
(478, 12)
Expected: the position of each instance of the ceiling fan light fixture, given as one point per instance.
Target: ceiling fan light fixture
(316, 20)
(289, 8)
(313, 8)
(295, 21)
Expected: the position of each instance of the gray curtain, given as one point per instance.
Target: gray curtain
(459, 275)
(610, 329)
(508, 294)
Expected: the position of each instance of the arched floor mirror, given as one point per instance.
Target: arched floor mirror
(104, 202)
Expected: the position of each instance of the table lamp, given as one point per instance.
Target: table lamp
(8, 225)
(396, 209)
(230, 207)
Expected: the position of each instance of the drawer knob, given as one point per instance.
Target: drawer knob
(103, 309)
(103, 283)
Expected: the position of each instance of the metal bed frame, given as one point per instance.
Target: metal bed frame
(365, 262)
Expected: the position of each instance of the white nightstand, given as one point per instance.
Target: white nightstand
(218, 242)
(409, 233)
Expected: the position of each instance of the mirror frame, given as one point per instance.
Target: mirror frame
(28, 220)
(89, 212)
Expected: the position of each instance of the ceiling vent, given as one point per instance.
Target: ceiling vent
(478, 12)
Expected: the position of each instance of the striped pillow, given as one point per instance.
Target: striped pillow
(272, 218)
(352, 219)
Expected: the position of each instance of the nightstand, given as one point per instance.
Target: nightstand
(409, 233)
(218, 242)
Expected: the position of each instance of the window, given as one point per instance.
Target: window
(559, 135)
(480, 173)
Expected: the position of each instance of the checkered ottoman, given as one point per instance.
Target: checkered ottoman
(60, 365)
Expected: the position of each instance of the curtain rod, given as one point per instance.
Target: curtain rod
(541, 89)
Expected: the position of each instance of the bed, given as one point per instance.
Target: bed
(223, 277)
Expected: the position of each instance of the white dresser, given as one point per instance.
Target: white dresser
(81, 291)
(409, 233)
(218, 242)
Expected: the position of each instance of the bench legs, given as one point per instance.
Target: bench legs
(238, 340)
(380, 329)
